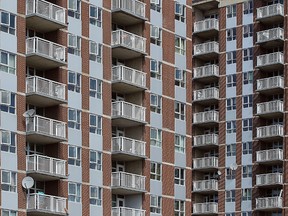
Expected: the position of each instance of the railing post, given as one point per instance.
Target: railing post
(51, 166)
(36, 162)
(51, 127)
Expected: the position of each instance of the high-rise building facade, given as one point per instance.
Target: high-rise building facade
(143, 107)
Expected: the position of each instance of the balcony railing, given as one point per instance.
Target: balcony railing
(46, 165)
(270, 131)
(270, 107)
(205, 48)
(134, 7)
(270, 10)
(270, 59)
(121, 211)
(270, 83)
(205, 140)
(205, 185)
(269, 179)
(204, 117)
(47, 203)
(269, 155)
(269, 202)
(205, 208)
(128, 181)
(128, 146)
(206, 25)
(270, 34)
(205, 162)
(206, 94)
(206, 71)
(128, 110)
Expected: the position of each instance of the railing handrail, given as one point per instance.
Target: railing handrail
(45, 79)
(278, 150)
(128, 103)
(207, 20)
(47, 157)
(214, 112)
(270, 126)
(128, 174)
(277, 5)
(207, 89)
(206, 203)
(269, 174)
(210, 42)
(49, 196)
(51, 120)
(124, 66)
(122, 71)
(128, 208)
(213, 24)
(44, 40)
(133, 2)
(201, 70)
(269, 54)
(206, 158)
(129, 33)
(127, 138)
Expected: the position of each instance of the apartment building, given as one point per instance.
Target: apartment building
(143, 107)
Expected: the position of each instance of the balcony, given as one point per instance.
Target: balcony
(270, 132)
(42, 92)
(271, 37)
(270, 85)
(207, 73)
(271, 109)
(206, 51)
(206, 28)
(205, 163)
(127, 183)
(205, 5)
(128, 12)
(43, 168)
(206, 96)
(126, 45)
(269, 203)
(42, 205)
(270, 179)
(121, 211)
(127, 149)
(43, 54)
(205, 186)
(127, 80)
(269, 156)
(271, 61)
(126, 114)
(271, 13)
(42, 130)
(208, 118)
(206, 140)
(43, 16)
(208, 208)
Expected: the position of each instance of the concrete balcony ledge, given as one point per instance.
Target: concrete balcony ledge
(271, 203)
(205, 140)
(208, 117)
(266, 156)
(270, 13)
(205, 208)
(269, 108)
(206, 72)
(205, 163)
(206, 95)
(270, 85)
(121, 211)
(269, 179)
(273, 34)
(205, 185)
(271, 131)
(270, 61)
(206, 50)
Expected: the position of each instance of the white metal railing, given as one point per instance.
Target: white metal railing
(205, 208)
(270, 83)
(128, 145)
(132, 6)
(129, 75)
(269, 155)
(44, 164)
(205, 25)
(206, 94)
(43, 125)
(127, 39)
(269, 107)
(46, 9)
(205, 71)
(205, 162)
(270, 10)
(128, 110)
(121, 211)
(269, 179)
(270, 34)
(40, 85)
(205, 185)
(270, 131)
(209, 116)
(36, 45)
(128, 180)
(43, 202)
(269, 202)
(270, 59)
(206, 139)
(208, 47)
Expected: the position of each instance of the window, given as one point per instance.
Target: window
(95, 16)
(248, 7)
(247, 171)
(74, 155)
(248, 54)
(231, 127)
(230, 196)
(7, 62)
(247, 124)
(74, 9)
(246, 194)
(74, 81)
(95, 195)
(231, 103)
(155, 35)
(248, 30)
(95, 88)
(9, 213)
(95, 124)
(155, 69)
(247, 77)
(155, 204)
(156, 137)
(231, 57)
(179, 176)
(230, 174)
(230, 214)
(231, 11)
(7, 101)
(231, 80)
(180, 77)
(231, 150)
(231, 34)
(8, 22)
(179, 12)
(246, 214)
(246, 148)
(74, 44)
(179, 109)
(155, 103)
(8, 181)
(95, 51)
(155, 5)
(74, 118)
(156, 171)
(247, 101)
(180, 143)
(95, 160)
(8, 141)
(179, 208)
(74, 192)
(180, 45)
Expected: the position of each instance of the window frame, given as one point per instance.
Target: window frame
(75, 159)
(97, 163)
(231, 11)
(179, 176)
(155, 69)
(11, 184)
(74, 197)
(231, 126)
(180, 12)
(181, 210)
(155, 171)
(231, 149)
(246, 150)
(97, 127)
(179, 110)
(95, 197)
(76, 85)
(156, 141)
(247, 101)
(230, 196)
(157, 107)
(75, 47)
(179, 143)
(75, 10)
(247, 7)
(231, 34)
(247, 124)
(248, 54)
(231, 57)
(97, 91)
(247, 171)
(247, 30)
(97, 18)
(231, 80)
(181, 48)
(75, 121)
(9, 146)
(7, 103)
(155, 5)
(155, 35)
(180, 78)
(231, 103)
(247, 77)
(10, 26)
(157, 207)
(7, 65)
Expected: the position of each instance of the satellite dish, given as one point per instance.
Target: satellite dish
(233, 166)
(219, 172)
(27, 182)
(29, 113)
